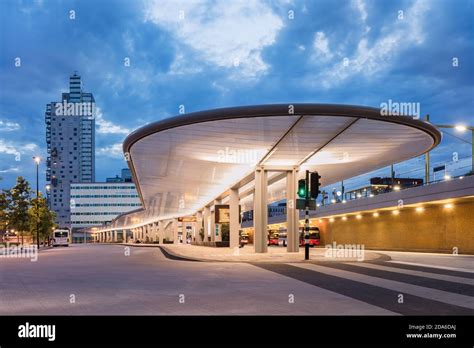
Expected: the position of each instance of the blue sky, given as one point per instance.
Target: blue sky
(227, 53)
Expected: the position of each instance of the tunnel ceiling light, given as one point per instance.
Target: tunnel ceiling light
(448, 205)
(420, 209)
(375, 214)
(358, 216)
(344, 218)
(395, 212)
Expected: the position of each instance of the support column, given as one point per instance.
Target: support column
(174, 227)
(292, 226)
(260, 211)
(198, 226)
(115, 236)
(155, 232)
(161, 231)
(207, 222)
(215, 238)
(234, 223)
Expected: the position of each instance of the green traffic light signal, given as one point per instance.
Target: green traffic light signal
(302, 188)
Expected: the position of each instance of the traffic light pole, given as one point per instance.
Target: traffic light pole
(306, 219)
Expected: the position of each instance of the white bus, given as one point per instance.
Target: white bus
(60, 237)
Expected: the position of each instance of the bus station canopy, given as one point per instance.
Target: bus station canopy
(183, 163)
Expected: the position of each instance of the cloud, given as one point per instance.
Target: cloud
(360, 6)
(377, 56)
(10, 170)
(12, 148)
(114, 151)
(321, 46)
(107, 127)
(7, 126)
(227, 34)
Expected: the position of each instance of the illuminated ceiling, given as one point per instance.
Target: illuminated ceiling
(183, 163)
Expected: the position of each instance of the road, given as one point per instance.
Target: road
(104, 279)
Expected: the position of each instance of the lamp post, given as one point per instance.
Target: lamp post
(37, 159)
(459, 128)
(462, 128)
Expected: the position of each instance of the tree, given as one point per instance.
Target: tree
(46, 219)
(3, 212)
(19, 202)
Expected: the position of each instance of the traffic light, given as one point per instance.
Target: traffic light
(302, 188)
(315, 185)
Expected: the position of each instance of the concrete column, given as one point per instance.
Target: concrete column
(174, 227)
(161, 231)
(155, 231)
(124, 236)
(212, 229)
(234, 224)
(260, 212)
(207, 222)
(115, 236)
(198, 226)
(217, 238)
(292, 225)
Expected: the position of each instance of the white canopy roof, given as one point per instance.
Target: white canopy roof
(181, 164)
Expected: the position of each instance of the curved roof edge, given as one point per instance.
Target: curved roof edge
(277, 110)
(267, 110)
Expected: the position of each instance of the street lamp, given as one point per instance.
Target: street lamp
(462, 128)
(459, 128)
(37, 159)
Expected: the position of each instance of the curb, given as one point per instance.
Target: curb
(380, 258)
(179, 257)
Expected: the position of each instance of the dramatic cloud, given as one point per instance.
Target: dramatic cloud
(114, 151)
(14, 148)
(372, 57)
(227, 34)
(321, 46)
(107, 127)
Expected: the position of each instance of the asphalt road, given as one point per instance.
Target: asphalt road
(105, 280)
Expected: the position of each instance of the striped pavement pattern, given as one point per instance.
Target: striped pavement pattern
(425, 290)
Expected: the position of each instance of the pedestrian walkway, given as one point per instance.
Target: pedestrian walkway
(417, 292)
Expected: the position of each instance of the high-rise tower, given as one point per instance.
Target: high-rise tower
(70, 139)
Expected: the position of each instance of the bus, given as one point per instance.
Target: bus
(60, 237)
(314, 236)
